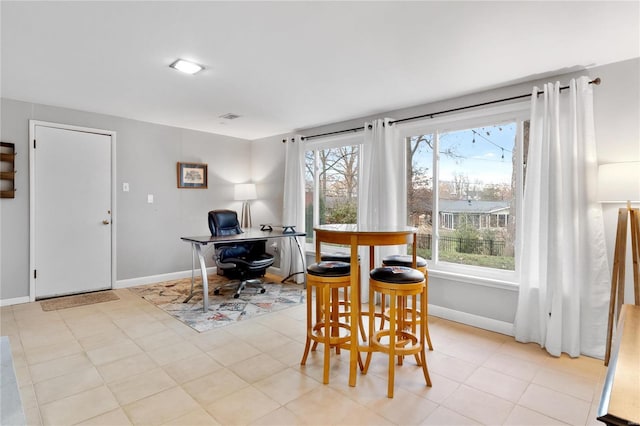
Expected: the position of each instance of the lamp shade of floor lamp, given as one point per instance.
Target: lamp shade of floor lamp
(245, 192)
(619, 183)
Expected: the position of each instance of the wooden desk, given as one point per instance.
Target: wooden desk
(620, 401)
(354, 236)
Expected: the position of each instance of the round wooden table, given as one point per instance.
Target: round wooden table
(354, 235)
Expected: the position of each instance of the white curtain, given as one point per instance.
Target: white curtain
(563, 299)
(293, 206)
(381, 199)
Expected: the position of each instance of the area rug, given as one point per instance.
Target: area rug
(66, 302)
(224, 309)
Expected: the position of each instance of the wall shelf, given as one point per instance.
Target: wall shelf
(8, 170)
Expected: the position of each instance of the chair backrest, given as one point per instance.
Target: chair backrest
(224, 222)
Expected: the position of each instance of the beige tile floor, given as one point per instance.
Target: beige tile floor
(127, 362)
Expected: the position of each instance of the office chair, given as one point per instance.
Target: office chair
(242, 260)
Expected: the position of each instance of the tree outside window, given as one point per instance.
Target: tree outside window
(332, 173)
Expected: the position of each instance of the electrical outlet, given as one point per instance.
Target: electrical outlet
(125, 187)
(150, 198)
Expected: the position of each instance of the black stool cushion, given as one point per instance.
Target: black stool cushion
(403, 260)
(397, 275)
(337, 257)
(329, 269)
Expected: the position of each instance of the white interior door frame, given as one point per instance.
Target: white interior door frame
(32, 196)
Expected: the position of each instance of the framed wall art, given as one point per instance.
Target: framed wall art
(192, 175)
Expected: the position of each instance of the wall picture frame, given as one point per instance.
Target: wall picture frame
(192, 175)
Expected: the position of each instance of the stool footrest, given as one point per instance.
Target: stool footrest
(403, 339)
(317, 333)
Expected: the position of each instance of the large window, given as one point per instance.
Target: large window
(331, 182)
(465, 199)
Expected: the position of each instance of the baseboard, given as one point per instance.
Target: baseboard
(14, 301)
(151, 279)
(484, 323)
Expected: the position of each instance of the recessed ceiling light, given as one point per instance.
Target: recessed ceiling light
(186, 66)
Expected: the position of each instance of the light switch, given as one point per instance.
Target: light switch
(150, 198)
(125, 187)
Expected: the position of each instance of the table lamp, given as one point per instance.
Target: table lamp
(619, 183)
(245, 192)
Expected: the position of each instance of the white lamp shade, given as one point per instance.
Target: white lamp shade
(619, 182)
(245, 191)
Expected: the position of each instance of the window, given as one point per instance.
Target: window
(331, 182)
(465, 200)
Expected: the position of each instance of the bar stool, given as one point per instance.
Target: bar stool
(412, 314)
(327, 278)
(345, 303)
(400, 339)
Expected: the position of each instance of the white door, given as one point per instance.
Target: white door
(71, 211)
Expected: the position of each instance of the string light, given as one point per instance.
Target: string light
(489, 140)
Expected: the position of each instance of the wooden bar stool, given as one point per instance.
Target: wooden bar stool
(326, 327)
(399, 339)
(412, 313)
(345, 303)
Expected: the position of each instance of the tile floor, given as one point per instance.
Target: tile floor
(127, 362)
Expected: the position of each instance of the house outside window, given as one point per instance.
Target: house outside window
(482, 214)
(465, 200)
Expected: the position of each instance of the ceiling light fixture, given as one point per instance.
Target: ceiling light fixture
(186, 66)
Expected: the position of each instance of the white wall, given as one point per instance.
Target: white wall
(267, 158)
(148, 235)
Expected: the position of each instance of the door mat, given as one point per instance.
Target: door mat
(78, 300)
(224, 309)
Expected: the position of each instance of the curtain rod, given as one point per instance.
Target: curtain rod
(595, 81)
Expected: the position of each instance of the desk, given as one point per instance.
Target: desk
(358, 235)
(620, 402)
(248, 235)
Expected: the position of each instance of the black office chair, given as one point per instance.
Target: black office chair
(245, 261)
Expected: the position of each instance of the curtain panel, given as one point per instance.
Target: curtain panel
(293, 205)
(562, 259)
(381, 188)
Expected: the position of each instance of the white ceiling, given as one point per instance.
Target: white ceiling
(283, 66)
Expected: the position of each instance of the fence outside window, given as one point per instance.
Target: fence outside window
(464, 245)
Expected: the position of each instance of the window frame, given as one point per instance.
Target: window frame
(337, 141)
(518, 112)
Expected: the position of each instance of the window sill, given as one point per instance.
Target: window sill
(474, 279)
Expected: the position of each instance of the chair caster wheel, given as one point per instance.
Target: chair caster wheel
(235, 296)
(262, 290)
(216, 292)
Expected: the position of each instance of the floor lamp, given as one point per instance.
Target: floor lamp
(620, 183)
(245, 192)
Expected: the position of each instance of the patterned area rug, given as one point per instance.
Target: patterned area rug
(223, 309)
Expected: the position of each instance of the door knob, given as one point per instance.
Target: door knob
(105, 222)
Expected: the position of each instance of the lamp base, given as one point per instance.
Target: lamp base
(245, 218)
